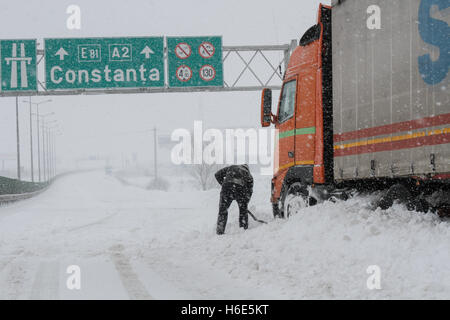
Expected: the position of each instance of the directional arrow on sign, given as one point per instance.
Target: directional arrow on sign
(147, 52)
(61, 53)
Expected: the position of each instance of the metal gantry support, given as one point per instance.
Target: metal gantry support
(273, 66)
(270, 66)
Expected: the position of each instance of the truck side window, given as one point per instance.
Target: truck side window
(287, 102)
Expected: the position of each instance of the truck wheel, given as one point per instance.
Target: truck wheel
(396, 192)
(418, 204)
(444, 211)
(295, 198)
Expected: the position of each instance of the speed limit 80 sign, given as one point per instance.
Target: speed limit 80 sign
(195, 61)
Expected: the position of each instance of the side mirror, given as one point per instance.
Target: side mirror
(266, 108)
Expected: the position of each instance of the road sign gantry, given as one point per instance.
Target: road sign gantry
(205, 72)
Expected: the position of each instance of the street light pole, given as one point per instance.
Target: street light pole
(31, 143)
(43, 152)
(53, 150)
(44, 143)
(48, 155)
(52, 154)
(52, 140)
(39, 142)
(155, 155)
(18, 138)
(38, 128)
(46, 147)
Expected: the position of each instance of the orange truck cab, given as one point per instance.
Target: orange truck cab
(304, 114)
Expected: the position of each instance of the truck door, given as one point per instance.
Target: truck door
(286, 124)
(305, 128)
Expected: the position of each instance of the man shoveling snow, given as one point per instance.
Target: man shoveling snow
(237, 184)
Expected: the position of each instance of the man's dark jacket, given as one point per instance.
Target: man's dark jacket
(236, 174)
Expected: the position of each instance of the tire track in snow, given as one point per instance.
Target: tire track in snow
(130, 280)
(12, 276)
(97, 222)
(46, 282)
(4, 262)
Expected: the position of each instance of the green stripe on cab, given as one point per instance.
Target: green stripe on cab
(296, 132)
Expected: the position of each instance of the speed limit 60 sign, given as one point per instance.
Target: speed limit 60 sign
(195, 61)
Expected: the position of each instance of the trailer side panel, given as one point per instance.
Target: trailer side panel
(391, 106)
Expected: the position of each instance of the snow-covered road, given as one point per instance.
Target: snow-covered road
(140, 244)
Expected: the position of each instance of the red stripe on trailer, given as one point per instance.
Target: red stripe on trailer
(394, 128)
(445, 176)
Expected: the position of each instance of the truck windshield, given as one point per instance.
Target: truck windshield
(287, 103)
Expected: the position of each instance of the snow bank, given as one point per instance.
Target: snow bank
(323, 252)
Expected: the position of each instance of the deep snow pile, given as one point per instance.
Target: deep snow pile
(168, 239)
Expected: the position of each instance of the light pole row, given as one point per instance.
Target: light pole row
(46, 133)
(50, 149)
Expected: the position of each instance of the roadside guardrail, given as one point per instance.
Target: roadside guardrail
(7, 198)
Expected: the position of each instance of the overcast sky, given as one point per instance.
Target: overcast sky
(115, 124)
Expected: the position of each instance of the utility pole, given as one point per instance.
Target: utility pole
(31, 143)
(155, 153)
(18, 138)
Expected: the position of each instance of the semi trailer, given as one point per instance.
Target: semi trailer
(365, 106)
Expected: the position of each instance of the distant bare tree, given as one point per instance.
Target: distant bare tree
(204, 174)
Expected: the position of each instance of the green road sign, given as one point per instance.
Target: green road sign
(18, 65)
(195, 61)
(92, 63)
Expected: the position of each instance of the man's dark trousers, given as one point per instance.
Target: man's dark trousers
(229, 193)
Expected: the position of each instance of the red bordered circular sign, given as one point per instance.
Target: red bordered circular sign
(207, 73)
(206, 50)
(184, 73)
(183, 50)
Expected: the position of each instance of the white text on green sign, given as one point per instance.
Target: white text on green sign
(92, 63)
